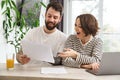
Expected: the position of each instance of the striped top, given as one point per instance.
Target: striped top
(88, 53)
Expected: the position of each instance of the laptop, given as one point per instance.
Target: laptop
(110, 64)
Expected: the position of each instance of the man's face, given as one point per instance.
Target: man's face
(52, 18)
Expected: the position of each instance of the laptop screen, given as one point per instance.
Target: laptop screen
(109, 64)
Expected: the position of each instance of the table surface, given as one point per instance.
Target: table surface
(32, 72)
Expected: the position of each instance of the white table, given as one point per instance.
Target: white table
(33, 73)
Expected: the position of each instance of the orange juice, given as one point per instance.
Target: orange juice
(10, 63)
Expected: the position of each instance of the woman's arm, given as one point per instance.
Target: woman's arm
(81, 58)
(93, 66)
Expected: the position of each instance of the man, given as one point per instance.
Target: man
(47, 34)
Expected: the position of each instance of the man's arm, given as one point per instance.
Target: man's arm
(18, 55)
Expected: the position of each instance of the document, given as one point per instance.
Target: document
(37, 51)
(53, 70)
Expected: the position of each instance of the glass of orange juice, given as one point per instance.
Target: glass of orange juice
(10, 61)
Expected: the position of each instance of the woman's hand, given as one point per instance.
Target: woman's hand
(93, 66)
(68, 53)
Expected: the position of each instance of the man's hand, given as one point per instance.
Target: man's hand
(23, 59)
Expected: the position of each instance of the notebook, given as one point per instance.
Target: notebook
(110, 64)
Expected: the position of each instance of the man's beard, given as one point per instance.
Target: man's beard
(51, 27)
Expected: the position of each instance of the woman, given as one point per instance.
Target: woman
(84, 49)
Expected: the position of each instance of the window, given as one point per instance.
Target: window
(3, 45)
(111, 31)
(107, 14)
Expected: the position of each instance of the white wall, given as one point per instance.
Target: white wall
(4, 48)
(2, 40)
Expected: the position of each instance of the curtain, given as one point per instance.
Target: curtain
(19, 4)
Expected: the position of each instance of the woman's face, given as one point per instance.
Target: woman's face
(79, 31)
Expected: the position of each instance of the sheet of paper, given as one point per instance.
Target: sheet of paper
(49, 70)
(37, 51)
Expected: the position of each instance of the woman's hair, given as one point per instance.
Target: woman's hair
(89, 24)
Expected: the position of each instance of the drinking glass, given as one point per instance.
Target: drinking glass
(10, 61)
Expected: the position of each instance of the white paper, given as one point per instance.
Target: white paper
(37, 51)
(49, 70)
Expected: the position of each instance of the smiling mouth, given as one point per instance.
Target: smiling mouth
(51, 24)
(78, 33)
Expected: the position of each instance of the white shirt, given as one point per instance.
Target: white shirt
(56, 39)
